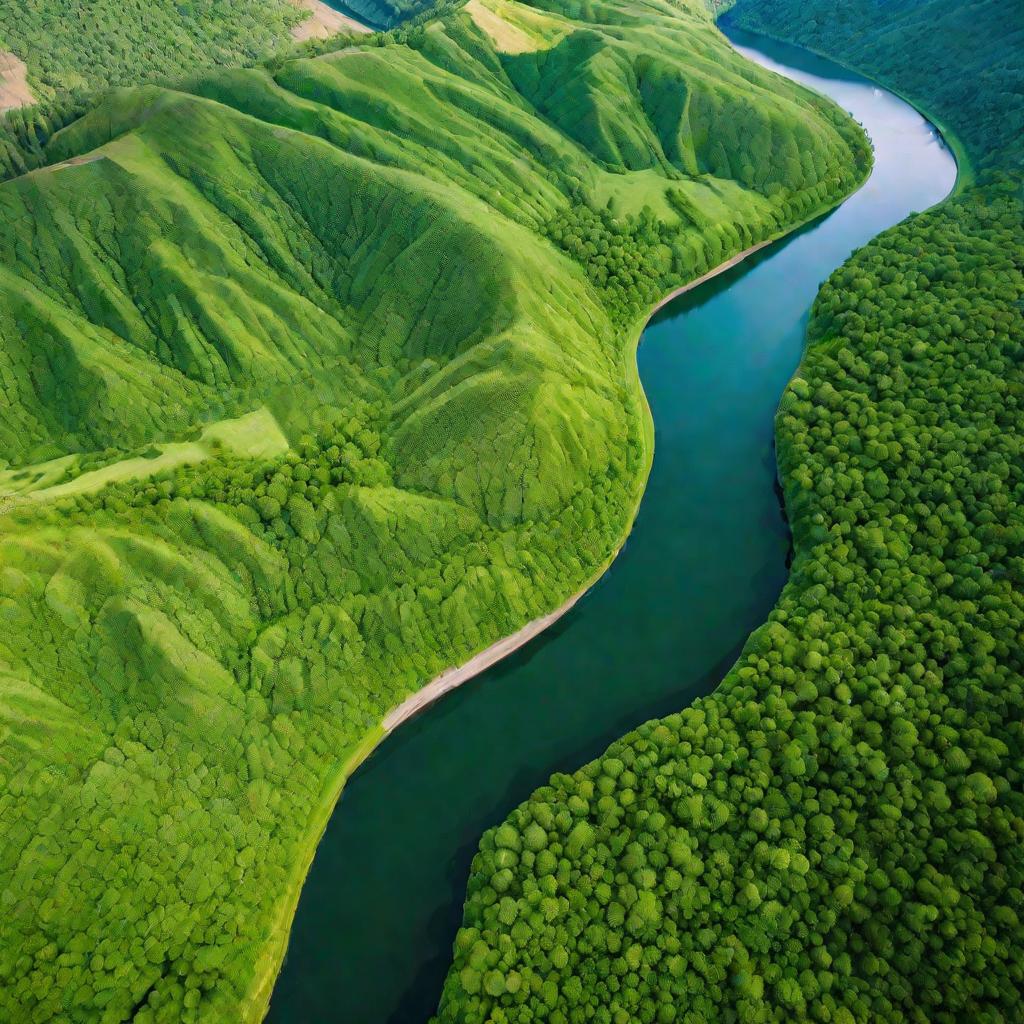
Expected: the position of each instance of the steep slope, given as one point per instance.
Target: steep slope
(58, 56)
(65, 51)
(370, 322)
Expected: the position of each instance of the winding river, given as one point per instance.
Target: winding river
(704, 565)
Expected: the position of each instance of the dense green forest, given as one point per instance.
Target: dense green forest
(837, 833)
(319, 378)
(72, 46)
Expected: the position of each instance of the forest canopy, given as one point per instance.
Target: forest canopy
(75, 50)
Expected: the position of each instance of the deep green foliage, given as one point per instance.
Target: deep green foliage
(961, 61)
(73, 47)
(74, 50)
(355, 251)
(25, 131)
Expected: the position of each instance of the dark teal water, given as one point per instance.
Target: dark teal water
(702, 568)
(351, 11)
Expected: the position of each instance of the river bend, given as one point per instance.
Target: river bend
(705, 563)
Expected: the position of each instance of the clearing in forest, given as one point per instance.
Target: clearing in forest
(516, 29)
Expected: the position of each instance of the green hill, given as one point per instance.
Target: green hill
(73, 47)
(835, 833)
(69, 50)
(317, 380)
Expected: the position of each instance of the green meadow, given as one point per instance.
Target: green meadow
(318, 378)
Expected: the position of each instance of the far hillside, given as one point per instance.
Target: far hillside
(961, 62)
(56, 54)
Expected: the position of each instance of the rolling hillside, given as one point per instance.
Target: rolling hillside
(318, 380)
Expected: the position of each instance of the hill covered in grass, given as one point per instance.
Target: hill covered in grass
(318, 380)
(70, 51)
(835, 834)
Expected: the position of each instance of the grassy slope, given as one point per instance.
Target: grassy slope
(73, 51)
(191, 656)
(72, 47)
(835, 833)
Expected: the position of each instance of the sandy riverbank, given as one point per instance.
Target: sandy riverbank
(459, 674)
(720, 269)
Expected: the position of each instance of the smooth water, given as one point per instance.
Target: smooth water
(704, 565)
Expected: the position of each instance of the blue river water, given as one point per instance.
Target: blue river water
(704, 565)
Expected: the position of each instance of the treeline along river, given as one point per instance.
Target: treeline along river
(704, 565)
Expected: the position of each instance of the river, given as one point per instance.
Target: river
(704, 565)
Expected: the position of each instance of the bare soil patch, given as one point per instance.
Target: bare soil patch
(75, 161)
(14, 90)
(324, 22)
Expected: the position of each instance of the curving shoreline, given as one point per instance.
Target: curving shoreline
(455, 676)
(406, 758)
(452, 678)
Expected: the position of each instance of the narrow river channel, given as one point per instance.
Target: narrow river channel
(704, 565)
